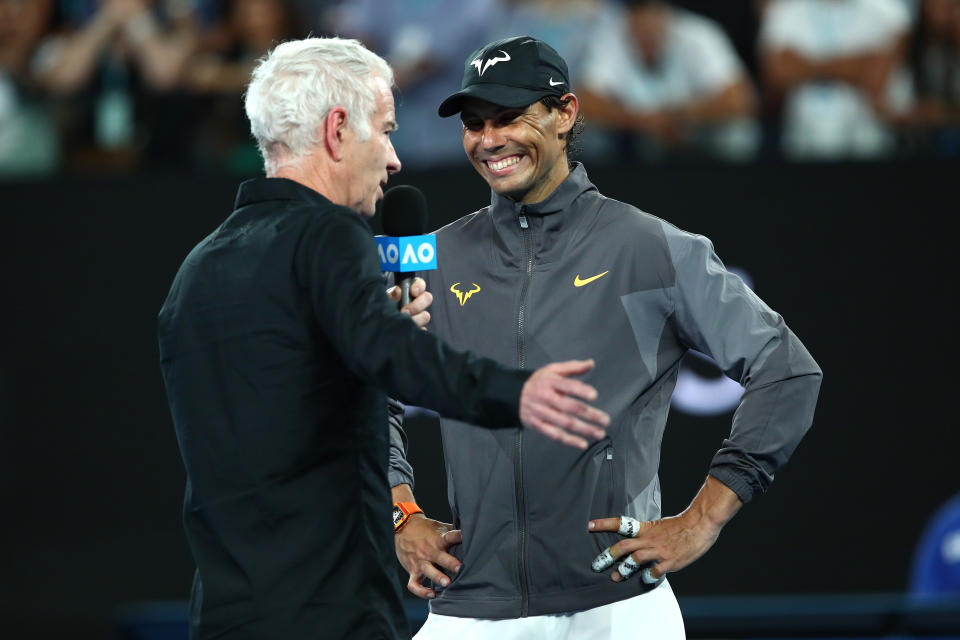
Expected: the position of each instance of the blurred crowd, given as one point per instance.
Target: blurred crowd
(120, 85)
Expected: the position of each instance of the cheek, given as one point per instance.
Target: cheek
(469, 141)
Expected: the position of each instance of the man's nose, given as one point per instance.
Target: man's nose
(491, 136)
(393, 161)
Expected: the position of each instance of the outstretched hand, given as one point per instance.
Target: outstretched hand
(549, 404)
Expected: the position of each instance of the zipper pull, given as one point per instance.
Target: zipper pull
(523, 222)
(609, 454)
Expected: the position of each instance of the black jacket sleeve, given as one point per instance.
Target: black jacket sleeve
(337, 263)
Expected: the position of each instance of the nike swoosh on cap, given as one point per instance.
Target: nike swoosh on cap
(554, 84)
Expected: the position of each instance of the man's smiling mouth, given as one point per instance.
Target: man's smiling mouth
(503, 163)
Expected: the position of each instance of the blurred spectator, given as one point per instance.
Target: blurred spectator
(835, 67)
(426, 43)
(673, 78)
(247, 31)
(320, 17)
(219, 72)
(934, 123)
(109, 63)
(28, 141)
(936, 562)
(563, 24)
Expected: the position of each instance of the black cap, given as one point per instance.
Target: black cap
(514, 72)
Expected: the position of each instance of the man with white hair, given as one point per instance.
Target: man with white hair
(274, 340)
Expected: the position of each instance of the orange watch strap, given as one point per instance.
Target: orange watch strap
(402, 512)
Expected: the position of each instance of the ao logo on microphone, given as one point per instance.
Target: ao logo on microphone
(409, 253)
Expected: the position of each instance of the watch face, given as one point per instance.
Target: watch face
(397, 516)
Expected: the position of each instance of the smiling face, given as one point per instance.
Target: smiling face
(371, 161)
(520, 152)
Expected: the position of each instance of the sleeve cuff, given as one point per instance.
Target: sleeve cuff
(400, 476)
(741, 486)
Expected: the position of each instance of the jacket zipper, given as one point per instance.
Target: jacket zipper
(518, 462)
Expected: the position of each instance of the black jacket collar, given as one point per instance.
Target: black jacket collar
(266, 189)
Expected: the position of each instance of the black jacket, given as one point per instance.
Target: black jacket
(274, 340)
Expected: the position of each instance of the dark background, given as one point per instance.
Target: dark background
(859, 259)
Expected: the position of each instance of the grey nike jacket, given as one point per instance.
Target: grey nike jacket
(579, 276)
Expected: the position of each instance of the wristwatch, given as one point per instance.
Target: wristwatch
(402, 512)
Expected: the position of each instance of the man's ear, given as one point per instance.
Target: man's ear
(567, 114)
(334, 129)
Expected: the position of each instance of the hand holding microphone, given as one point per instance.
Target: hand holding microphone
(420, 301)
(404, 249)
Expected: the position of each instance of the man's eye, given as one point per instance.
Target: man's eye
(473, 125)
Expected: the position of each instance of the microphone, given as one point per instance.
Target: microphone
(404, 249)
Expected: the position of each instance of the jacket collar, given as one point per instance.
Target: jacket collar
(560, 200)
(548, 234)
(266, 189)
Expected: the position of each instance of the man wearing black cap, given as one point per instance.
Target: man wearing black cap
(554, 270)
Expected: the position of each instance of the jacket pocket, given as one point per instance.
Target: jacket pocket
(609, 480)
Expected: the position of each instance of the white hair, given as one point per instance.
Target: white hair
(296, 85)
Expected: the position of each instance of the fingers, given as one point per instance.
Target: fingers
(570, 423)
(418, 304)
(651, 573)
(452, 537)
(646, 560)
(627, 568)
(555, 433)
(545, 405)
(640, 550)
(603, 561)
(628, 526)
(609, 556)
(420, 300)
(421, 319)
(581, 410)
(438, 577)
(604, 524)
(417, 287)
(649, 576)
(442, 558)
(417, 589)
(571, 367)
(572, 387)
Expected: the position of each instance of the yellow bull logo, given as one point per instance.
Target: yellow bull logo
(461, 295)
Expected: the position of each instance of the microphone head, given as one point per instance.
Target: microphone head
(404, 212)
